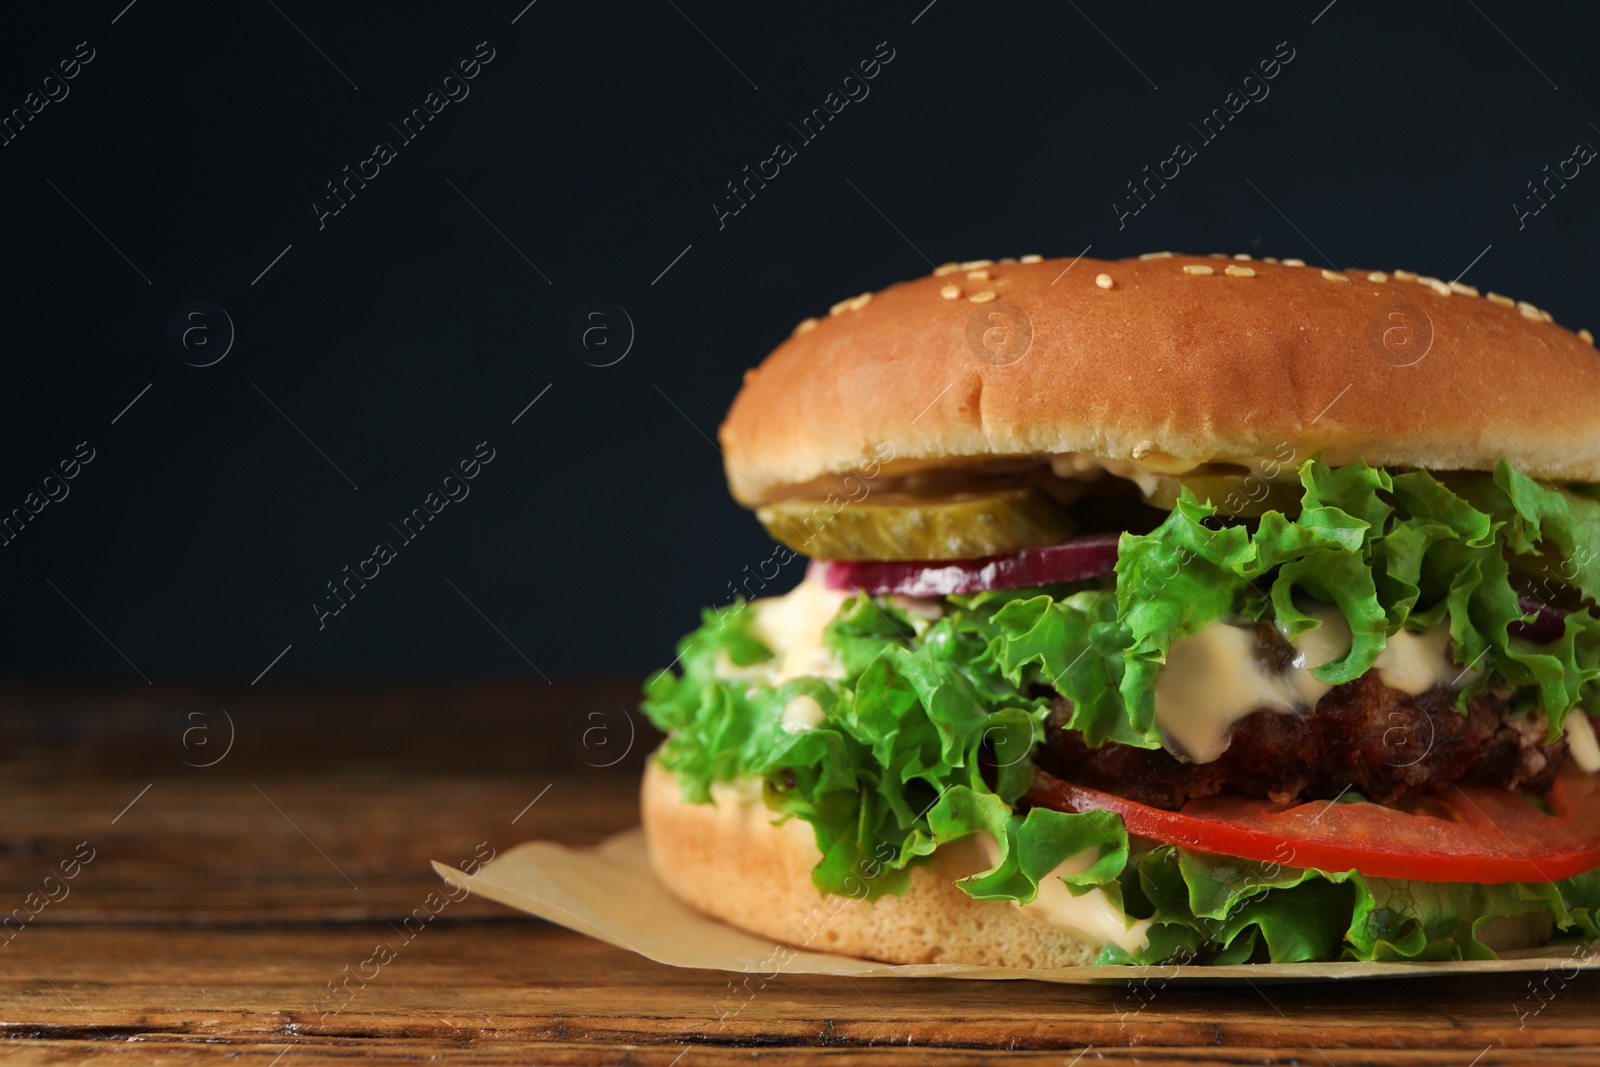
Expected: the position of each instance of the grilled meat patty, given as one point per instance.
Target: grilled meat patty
(1363, 736)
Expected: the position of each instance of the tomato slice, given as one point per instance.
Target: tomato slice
(1468, 833)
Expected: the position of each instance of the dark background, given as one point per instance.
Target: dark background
(415, 324)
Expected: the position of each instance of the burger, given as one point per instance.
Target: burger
(1182, 608)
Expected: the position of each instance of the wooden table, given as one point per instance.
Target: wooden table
(222, 903)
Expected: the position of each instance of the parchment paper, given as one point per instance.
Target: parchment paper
(608, 892)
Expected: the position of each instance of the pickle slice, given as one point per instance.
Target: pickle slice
(890, 526)
(1238, 495)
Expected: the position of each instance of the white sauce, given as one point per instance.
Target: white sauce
(1212, 678)
(925, 607)
(737, 804)
(1091, 915)
(1142, 473)
(728, 671)
(1415, 663)
(801, 713)
(791, 626)
(1326, 643)
(1581, 742)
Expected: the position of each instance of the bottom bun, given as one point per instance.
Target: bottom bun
(729, 860)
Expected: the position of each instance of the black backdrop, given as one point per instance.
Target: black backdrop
(583, 162)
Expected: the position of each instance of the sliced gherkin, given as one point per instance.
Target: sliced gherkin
(908, 526)
(1240, 495)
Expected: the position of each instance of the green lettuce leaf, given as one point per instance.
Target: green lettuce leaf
(1216, 909)
(902, 732)
(893, 771)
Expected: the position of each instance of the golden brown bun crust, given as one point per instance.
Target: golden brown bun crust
(731, 863)
(1199, 367)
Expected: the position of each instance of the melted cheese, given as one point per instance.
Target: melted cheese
(1090, 915)
(1581, 742)
(1213, 678)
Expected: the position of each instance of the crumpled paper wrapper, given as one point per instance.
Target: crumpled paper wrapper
(609, 893)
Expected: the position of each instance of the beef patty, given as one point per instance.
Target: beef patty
(1363, 736)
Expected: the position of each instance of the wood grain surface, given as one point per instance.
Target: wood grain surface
(238, 909)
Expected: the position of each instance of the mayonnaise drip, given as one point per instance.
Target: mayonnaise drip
(791, 626)
(1091, 915)
(1213, 677)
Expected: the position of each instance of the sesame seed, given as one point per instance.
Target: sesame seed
(951, 292)
(1004, 260)
(1198, 268)
(983, 297)
(857, 303)
(1529, 311)
(1239, 272)
(1463, 288)
(1219, 255)
(1242, 256)
(1333, 275)
(946, 268)
(1435, 284)
(1377, 276)
(1031, 258)
(806, 326)
(839, 308)
(1269, 259)
(1586, 336)
(974, 264)
(1405, 275)
(1156, 255)
(977, 275)
(1294, 263)
(1496, 298)
(1546, 316)
(1103, 281)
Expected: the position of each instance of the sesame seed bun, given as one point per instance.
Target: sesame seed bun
(1171, 361)
(729, 861)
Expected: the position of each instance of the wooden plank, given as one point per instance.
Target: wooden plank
(222, 901)
(405, 1052)
(236, 847)
(463, 988)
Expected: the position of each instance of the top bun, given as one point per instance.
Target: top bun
(1169, 361)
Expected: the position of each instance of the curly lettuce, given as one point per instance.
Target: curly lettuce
(1216, 909)
(893, 769)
